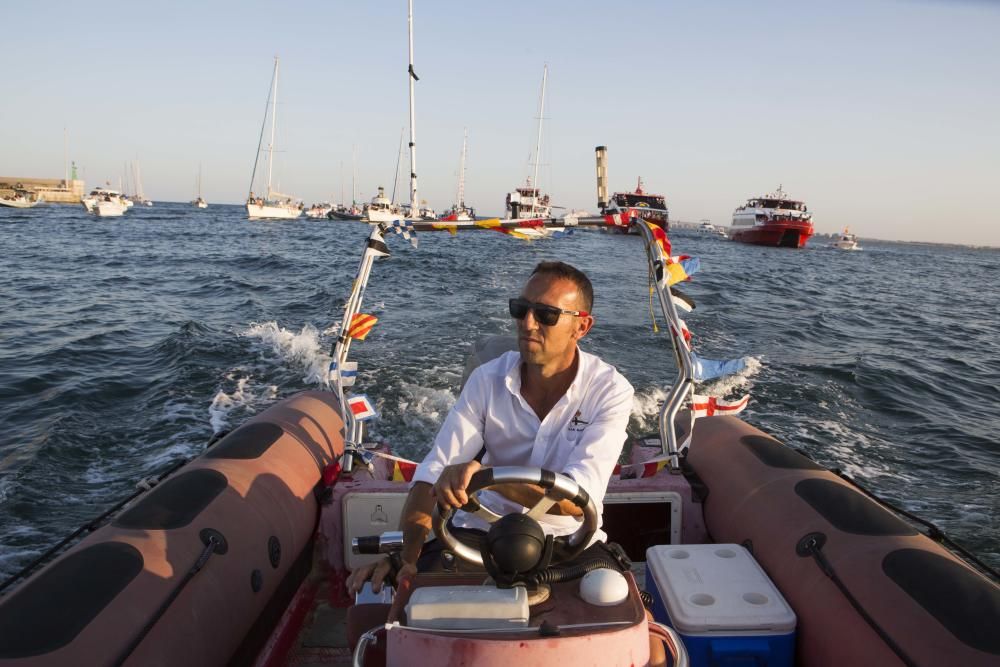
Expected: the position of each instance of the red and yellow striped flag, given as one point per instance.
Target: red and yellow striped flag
(361, 325)
(661, 238)
(403, 471)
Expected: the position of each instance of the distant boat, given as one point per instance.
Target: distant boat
(528, 202)
(21, 199)
(845, 241)
(319, 210)
(140, 196)
(99, 195)
(343, 212)
(460, 212)
(773, 220)
(273, 205)
(199, 202)
(381, 209)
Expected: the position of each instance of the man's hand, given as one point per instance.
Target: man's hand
(376, 572)
(449, 490)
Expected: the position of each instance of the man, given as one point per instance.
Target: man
(549, 405)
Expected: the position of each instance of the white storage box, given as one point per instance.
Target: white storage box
(721, 603)
(467, 608)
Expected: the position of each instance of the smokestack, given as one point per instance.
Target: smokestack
(602, 176)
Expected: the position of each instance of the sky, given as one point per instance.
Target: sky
(880, 115)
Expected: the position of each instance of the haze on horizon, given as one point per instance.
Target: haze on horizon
(882, 115)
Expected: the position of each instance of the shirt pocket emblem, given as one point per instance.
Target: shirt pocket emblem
(576, 424)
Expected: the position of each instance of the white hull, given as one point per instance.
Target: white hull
(273, 212)
(200, 203)
(18, 203)
(845, 245)
(109, 209)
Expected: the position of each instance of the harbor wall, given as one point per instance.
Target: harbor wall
(53, 190)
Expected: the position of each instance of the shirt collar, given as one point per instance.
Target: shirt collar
(512, 378)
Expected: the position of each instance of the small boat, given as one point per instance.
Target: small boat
(460, 212)
(112, 202)
(741, 543)
(21, 199)
(528, 202)
(199, 201)
(772, 220)
(382, 209)
(274, 205)
(140, 196)
(319, 210)
(344, 212)
(845, 241)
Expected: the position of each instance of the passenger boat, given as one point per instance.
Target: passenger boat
(274, 205)
(240, 555)
(21, 199)
(772, 220)
(845, 241)
(638, 205)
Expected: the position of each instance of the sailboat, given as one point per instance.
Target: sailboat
(273, 205)
(199, 202)
(417, 210)
(460, 212)
(140, 196)
(528, 202)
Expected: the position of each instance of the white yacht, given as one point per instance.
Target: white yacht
(273, 205)
(21, 199)
(381, 209)
(845, 241)
(112, 201)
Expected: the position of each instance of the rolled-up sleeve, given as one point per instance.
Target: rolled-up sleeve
(595, 455)
(461, 436)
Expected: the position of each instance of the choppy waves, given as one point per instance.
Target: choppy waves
(127, 344)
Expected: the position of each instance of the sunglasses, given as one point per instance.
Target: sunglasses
(544, 314)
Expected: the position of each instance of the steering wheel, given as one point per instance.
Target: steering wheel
(557, 488)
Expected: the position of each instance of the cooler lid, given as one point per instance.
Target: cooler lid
(717, 587)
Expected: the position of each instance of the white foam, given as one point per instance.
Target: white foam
(302, 348)
(244, 398)
(739, 382)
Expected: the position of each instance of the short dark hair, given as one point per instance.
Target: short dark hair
(571, 273)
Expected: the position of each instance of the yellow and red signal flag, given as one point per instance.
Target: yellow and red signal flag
(496, 225)
(361, 325)
(451, 229)
(402, 471)
(646, 469)
(661, 238)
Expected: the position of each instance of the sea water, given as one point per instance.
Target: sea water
(126, 343)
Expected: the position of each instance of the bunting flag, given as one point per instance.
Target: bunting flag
(684, 330)
(661, 239)
(405, 229)
(709, 369)
(648, 468)
(676, 273)
(690, 264)
(618, 219)
(377, 247)
(361, 325)
(402, 471)
(451, 229)
(708, 406)
(361, 408)
(348, 374)
(681, 300)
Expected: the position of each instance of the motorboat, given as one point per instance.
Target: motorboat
(21, 199)
(737, 545)
(845, 241)
(344, 212)
(382, 209)
(98, 194)
(105, 203)
(773, 219)
(273, 205)
(319, 210)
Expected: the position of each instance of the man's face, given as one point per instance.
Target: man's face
(540, 344)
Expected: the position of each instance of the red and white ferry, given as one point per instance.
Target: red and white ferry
(642, 205)
(773, 220)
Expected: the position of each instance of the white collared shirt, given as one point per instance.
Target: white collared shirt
(581, 437)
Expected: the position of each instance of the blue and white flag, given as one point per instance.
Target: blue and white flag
(348, 374)
(710, 369)
(405, 229)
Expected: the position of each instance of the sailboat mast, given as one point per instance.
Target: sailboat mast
(270, 146)
(538, 143)
(461, 171)
(199, 180)
(414, 200)
(354, 176)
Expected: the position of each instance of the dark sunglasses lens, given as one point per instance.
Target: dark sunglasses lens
(546, 315)
(518, 309)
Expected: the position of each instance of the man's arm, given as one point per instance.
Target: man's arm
(415, 523)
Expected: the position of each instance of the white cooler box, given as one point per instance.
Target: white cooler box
(722, 604)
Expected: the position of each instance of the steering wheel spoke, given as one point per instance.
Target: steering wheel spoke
(557, 488)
